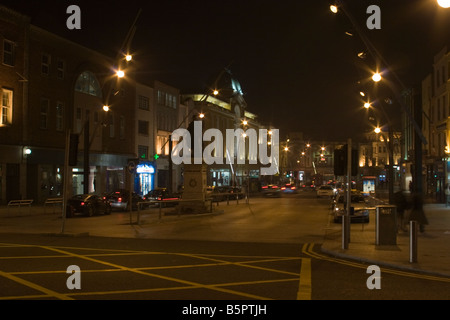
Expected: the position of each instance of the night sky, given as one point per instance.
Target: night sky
(297, 67)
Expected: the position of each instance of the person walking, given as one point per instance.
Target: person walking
(417, 212)
(447, 195)
(402, 204)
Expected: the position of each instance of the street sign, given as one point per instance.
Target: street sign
(131, 166)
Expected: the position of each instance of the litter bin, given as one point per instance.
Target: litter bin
(386, 225)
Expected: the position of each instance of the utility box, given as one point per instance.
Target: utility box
(386, 225)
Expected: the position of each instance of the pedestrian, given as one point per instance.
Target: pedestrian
(447, 195)
(417, 212)
(402, 204)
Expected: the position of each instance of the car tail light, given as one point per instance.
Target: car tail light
(293, 188)
(282, 188)
(159, 198)
(265, 187)
(82, 203)
(119, 199)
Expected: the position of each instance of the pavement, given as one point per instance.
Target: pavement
(433, 245)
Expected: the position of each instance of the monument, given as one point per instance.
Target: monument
(194, 194)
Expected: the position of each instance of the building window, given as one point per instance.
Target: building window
(122, 127)
(59, 116)
(87, 83)
(162, 142)
(7, 105)
(142, 152)
(160, 97)
(143, 127)
(144, 103)
(44, 113)
(45, 64)
(60, 68)
(8, 52)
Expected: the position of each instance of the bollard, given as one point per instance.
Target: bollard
(413, 226)
(345, 231)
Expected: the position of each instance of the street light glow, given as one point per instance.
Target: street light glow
(444, 3)
(105, 108)
(367, 105)
(120, 73)
(128, 57)
(244, 122)
(377, 130)
(201, 115)
(376, 77)
(334, 8)
(216, 92)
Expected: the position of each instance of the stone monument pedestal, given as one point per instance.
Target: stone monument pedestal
(194, 193)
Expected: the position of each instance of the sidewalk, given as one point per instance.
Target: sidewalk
(433, 246)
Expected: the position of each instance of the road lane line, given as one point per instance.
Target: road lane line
(304, 286)
(310, 252)
(191, 283)
(35, 286)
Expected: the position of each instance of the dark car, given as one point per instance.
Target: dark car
(223, 193)
(88, 205)
(163, 195)
(359, 208)
(120, 199)
(289, 188)
(271, 191)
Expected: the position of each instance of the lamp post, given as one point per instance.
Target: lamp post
(390, 147)
(413, 118)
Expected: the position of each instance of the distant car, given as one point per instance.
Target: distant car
(88, 205)
(223, 193)
(164, 196)
(289, 188)
(271, 191)
(325, 191)
(358, 213)
(308, 186)
(120, 199)
(237, 191)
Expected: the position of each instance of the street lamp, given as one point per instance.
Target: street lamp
(444, 3)
(120, 73)
(376, 77)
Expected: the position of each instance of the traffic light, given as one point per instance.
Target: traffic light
(340, 161)
(73, 149)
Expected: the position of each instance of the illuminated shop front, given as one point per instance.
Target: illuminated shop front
(145, 178)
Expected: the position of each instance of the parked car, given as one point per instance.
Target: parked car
(325, 191)
(289, 188)
(163, 195)
(237, 191)
(88, 205)
(358, 213)
(120, 199)
(271, 191)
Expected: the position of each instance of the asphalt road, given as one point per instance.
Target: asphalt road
(267, 250)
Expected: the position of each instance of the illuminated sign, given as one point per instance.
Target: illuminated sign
(145, 168)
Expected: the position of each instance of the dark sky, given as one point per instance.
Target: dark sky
(298, 69)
